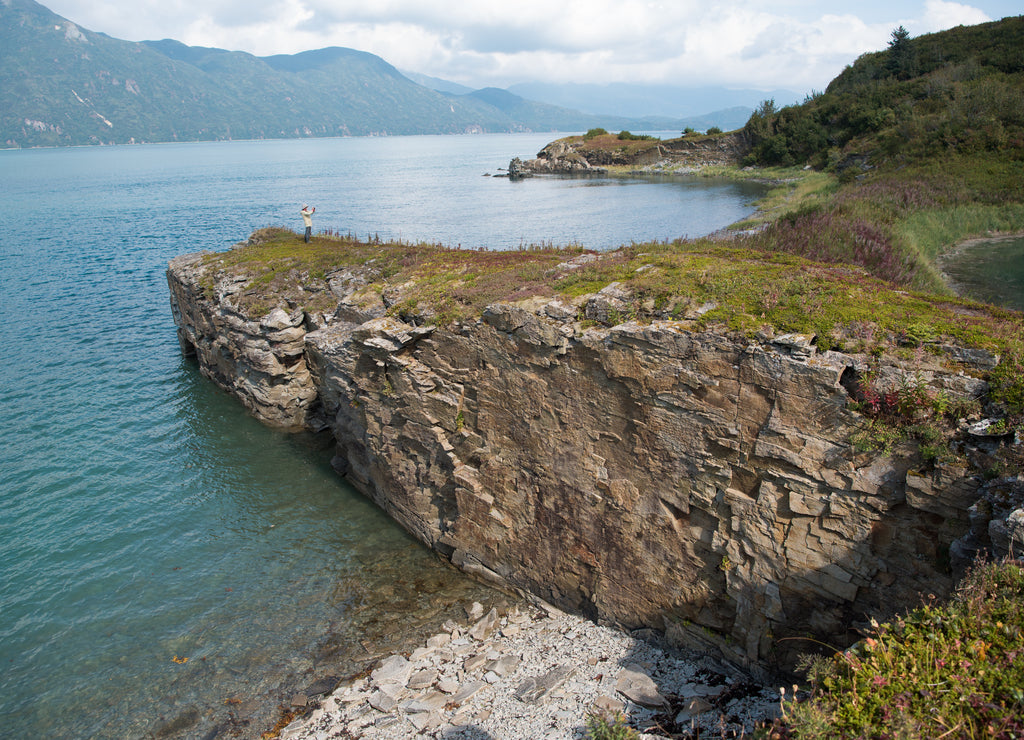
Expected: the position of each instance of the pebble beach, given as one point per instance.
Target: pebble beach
(530, 671)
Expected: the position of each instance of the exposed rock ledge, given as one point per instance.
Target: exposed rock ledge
(576, 156)
(640, 475)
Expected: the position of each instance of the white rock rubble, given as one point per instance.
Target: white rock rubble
(538, 673)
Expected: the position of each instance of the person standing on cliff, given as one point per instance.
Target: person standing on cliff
(307, 218)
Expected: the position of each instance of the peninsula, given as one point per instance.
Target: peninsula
(754, 445)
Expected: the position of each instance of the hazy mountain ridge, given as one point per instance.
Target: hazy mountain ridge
(61, 84)
(664, 101)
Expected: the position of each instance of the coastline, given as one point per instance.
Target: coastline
(531, 670)
(967, 244)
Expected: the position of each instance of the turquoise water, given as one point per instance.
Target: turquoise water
(989, 270)
(146, 518)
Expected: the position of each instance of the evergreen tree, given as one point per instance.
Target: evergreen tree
(901, 54)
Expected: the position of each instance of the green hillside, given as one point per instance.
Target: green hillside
(925, 145)
(65, 85)
(956, 92)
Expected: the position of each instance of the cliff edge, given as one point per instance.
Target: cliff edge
(639, 469)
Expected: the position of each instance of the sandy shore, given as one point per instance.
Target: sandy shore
(535, 672)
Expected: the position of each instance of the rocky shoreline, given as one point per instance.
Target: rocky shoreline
(576, 155)
(532, 671)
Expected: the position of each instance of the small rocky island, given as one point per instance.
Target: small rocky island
(595, 154)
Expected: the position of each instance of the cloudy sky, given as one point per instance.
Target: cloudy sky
(764, 44)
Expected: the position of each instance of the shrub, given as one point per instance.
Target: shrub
(714, 130)
(907, 411)
(601, 727)
(1007, 381)
(626, 136)
(955, 92)
(594, 133)
(951, 670)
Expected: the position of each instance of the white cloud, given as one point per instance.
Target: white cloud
(794, 44)
(940, 15)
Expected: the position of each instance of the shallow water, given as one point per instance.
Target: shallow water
(989, 270)
(170, 565)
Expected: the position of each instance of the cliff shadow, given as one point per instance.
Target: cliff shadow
(672, 691)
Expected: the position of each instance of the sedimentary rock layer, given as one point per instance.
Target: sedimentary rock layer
(639, 474)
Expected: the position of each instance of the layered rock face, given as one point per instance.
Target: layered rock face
(260, 361)
(639, 474)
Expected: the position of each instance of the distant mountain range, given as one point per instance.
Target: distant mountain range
(669, 101)
(64, 85)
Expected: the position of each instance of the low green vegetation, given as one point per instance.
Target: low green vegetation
(951, 670)
(422, 280)
(751, 289)
(624, 143)
(614, 727)
(909, 411)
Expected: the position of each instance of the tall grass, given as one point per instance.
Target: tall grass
(828, 236)
(896, 223)
(930, 233)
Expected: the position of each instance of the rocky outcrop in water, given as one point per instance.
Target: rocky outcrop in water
(579, 156)
(258, 360)
(696, 482)
(517, 170)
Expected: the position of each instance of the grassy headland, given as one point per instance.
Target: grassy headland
(921, 145)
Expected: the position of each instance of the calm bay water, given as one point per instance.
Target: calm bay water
(990, 270)
(169, 564)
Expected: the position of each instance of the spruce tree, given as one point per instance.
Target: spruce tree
(901, 54)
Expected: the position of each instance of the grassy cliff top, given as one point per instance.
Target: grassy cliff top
(845, 248)
(705, 283)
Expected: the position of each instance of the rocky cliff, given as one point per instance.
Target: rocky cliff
(642, 474)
